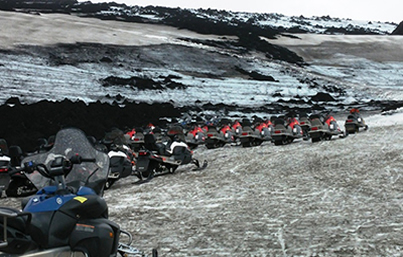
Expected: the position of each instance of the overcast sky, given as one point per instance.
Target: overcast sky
(370, 10)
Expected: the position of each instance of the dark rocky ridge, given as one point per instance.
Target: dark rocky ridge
(398, 30)
(26, 123)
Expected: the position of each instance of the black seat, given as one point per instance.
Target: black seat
(19, 222)
(150, 143)
(16, 154)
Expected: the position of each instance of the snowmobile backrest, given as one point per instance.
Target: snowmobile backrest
(150, 142)
(212, 129)
(247, 129)
(279, 122)
(16, 154)
(352, 116)
(316, 116)
(316, 123)
(182, 153)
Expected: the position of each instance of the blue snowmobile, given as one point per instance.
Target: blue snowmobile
(67, 216)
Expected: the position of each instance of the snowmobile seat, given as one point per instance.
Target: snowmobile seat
(150, 143)
(18, 228)
(317, 123)
(16, 154)
(354, 116)
(182, 154)
(17, 219)
(248, 129)
(279, 122)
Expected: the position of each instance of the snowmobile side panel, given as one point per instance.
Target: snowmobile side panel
(88, 235)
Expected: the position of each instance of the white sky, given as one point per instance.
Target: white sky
(369, 10)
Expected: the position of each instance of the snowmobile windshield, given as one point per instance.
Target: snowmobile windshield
(70, 142)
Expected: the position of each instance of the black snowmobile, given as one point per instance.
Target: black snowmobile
(163, 158)
(323, 128)
(255, 135)
(218, 138)
(121, 161)
(15, 184)
(68, 216)
(250, 137)
(284, 133)
(354, 122)
(195, 137)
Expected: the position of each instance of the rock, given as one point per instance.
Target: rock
(398, 30)
(322, 97)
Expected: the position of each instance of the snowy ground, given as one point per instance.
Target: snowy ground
(333, 198)
(340, 197)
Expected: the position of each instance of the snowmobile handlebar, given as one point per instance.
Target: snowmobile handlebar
(59, 166)
(77, 159)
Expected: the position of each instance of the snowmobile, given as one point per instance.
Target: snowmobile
(195, 137)
(255, 136)
(15, 184)
(137, 140)
(68, 216)
(121, 159)
(354, 122)
(163, 158)
(286, 133)
(218, 138)
(323, 128)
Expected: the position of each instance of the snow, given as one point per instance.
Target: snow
(336, 197)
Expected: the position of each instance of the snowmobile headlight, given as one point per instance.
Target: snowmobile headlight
(331, 126)
(359, 119)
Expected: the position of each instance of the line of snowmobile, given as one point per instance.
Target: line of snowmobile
(278, 130)
(150, 151)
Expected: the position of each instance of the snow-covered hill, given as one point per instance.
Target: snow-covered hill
(276, 21)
